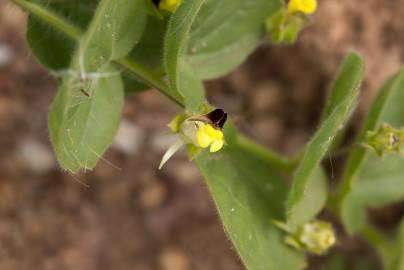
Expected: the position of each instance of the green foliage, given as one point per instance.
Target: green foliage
(371, 181)
(85, 114)
(53, 49)
(249, 193)
(398, 260)
(284, 27)
(175, 42)
(225, 33)
(105, 48)
(300, 206)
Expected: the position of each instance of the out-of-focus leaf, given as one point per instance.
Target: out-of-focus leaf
(249, 192)
(149, 51)
(369, 180)
(320, 143)
(175, 42)
(349, 77)
(85, 114)
(53, 49)
(191, 87)
(226, 32)
(82, 127)
(398, 261)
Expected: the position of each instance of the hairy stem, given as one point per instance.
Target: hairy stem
(285, 164)
(141, 72)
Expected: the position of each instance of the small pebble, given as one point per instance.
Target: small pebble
(184, 172)
(6, 55)
(173, 259)
(153, 195)
(129, 138)
(36, 156)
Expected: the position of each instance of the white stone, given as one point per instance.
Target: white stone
(129, 138)
(36, 156)
(6, 54)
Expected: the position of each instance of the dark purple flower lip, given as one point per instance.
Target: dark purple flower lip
(217, 118)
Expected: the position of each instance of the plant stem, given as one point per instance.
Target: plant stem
(50, 17)
(285, 164)
(141, 72)
(148, 77)
(380, 242)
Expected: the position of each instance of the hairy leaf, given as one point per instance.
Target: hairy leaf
(249, 194)
(55, 50)
(175, 42)
(85, 113)
(226, 32)
(371, 181)
(320, 143)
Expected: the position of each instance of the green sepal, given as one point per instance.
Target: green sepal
(176, 123)
(284, 27)
(153, 10)
(193, 151)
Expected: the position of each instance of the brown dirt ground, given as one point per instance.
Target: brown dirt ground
(140, 218)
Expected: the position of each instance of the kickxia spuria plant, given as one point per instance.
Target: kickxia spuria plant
(102, 50)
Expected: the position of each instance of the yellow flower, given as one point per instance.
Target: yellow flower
(169, 5)
(208, 136)
(304, 6)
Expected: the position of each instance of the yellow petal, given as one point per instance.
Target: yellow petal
(210, 130)
(304, 6)
(216, 145)
(218, 135)
(202, 137)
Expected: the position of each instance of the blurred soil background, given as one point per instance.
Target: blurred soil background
(144, 219)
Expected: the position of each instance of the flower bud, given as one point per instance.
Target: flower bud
(385, 139)
(316, 236)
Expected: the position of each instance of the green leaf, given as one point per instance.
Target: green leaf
(191, 88)
(314, 198)
(81, 127)
(371, 181)
(175, 42)
(149, 51)
(398, 260)
(249, 193)
(115, 29)
(350, 75)
(85, 114)
(226, 32)
(53, 49)
(320, 143)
